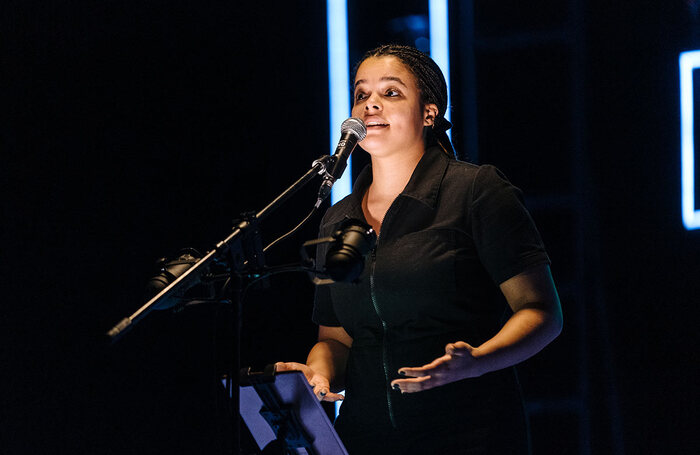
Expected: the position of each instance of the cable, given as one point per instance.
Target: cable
(298, 226)
(226, 284)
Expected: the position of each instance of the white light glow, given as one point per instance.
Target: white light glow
(338, 85)
(688, 61)
(440, 43)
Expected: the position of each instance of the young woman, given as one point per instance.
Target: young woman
(419, 342)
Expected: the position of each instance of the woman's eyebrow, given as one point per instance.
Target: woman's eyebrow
(385, 78)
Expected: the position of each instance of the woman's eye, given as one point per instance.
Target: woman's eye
(360, 96)
(392, 92)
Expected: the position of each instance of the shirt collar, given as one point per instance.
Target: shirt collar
(424, 184)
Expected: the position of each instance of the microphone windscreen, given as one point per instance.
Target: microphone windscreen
(355, 126)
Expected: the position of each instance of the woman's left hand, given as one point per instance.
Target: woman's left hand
(459, 362)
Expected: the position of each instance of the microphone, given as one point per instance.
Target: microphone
(352, 131)
(345, 259)
(169, 272)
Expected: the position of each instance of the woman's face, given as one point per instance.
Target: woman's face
(387, 99)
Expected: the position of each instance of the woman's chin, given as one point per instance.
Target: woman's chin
(374, 143)
(370, 147)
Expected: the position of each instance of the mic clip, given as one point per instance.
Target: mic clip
(326, 162)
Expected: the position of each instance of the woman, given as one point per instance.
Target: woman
(419, 342)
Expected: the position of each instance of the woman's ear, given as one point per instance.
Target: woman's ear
(430, 113)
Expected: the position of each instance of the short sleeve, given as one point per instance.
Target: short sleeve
(505, 235)
(323, 313)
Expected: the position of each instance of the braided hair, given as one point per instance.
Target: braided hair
(431, 86)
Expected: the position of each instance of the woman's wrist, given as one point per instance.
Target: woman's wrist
(484, 362)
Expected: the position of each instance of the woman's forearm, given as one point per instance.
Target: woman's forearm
(527, 331)
(329, 359)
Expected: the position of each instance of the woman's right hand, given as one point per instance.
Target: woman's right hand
(322, 388)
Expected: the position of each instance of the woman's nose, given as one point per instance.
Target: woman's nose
(373, 103)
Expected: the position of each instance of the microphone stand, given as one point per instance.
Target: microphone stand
(241, 248)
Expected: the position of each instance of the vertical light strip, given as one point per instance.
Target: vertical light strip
(688, 61)
(339, 93)
(440, 43)
(338, 85)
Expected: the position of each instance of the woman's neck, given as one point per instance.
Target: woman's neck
(390, 174)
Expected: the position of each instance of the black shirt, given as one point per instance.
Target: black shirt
(447, 241)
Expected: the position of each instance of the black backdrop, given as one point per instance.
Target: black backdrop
(132, 129)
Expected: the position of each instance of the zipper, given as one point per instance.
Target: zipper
(385, 346)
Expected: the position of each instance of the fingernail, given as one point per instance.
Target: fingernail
(402, 373)
(323, 393)
(397, 388)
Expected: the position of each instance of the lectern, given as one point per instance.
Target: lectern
(282, 407)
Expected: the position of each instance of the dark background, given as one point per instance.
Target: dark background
(133, 129)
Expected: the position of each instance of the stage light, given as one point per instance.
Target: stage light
(440, 42)
(338, 85)
(688, 61)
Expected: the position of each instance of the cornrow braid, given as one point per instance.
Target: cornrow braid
(431, 86)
